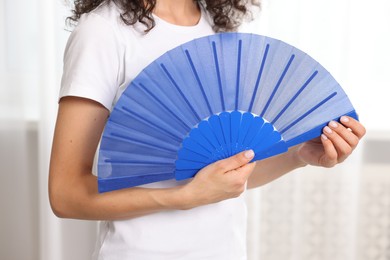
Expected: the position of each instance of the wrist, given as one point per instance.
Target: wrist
(175, 198)
(186, 198)
(296, 158)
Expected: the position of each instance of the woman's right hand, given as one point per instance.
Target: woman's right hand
(219, 181)
(73, 188)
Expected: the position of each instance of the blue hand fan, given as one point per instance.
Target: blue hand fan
(211, 98)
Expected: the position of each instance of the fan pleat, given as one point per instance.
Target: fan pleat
(181, 93)
(277, 85)
(163, 127)
(119, 139)
(199, 82)
(258, 78)
(218, 73)
(173, 113)
(289, 103)
(311, 110)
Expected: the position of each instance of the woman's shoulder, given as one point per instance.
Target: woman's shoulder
(106, 14)
(102, 23)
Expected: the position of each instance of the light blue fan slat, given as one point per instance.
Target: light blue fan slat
(308, 112)
(207, 70)
(184, 97)
(219, 77)
(309, 98)
(296, 95)
(162, 88)
(119, 134)
(136, 158)
(258, 78)
(238, 74)
(299, 71)
(152, 114)
(277, 85)
(131, 172)
(116, 141)
(173, 112)
(162, 127)
(271, 75)
(137, 170)
(200, 85)
(135, 124)
(122, 182)
(316, 131)
(188, 77)
(228, 55)
(136, 103)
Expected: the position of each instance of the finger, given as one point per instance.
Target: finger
(245, 170)
(357, 128)
(350, 137)
(330, 157)
(342, 147)
(234, 162)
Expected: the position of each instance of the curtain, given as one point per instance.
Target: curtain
(339, 213)
(33, 36)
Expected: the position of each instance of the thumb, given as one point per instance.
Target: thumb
(235, 161)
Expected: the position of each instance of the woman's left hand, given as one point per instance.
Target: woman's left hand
(335, 144)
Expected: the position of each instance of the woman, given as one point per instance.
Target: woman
(204, 218)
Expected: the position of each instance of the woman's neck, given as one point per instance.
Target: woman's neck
(179, 12)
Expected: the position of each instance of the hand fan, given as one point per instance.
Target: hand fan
(211, 98)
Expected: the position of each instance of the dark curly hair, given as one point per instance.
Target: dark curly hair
(227, 14)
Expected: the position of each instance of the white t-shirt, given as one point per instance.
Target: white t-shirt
(102, 56)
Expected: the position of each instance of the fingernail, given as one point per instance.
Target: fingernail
(324, 137)
(344, 119)
(333, 124)
(327, 130)
(249, 154)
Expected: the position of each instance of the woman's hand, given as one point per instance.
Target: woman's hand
(73, 188)
(219, 181)
(335, 144)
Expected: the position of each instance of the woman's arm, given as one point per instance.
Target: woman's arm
(272, 168)
(73, 189)
(334, 146)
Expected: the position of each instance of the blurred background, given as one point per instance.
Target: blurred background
(339, 213)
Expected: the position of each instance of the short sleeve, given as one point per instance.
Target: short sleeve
(92, 61)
